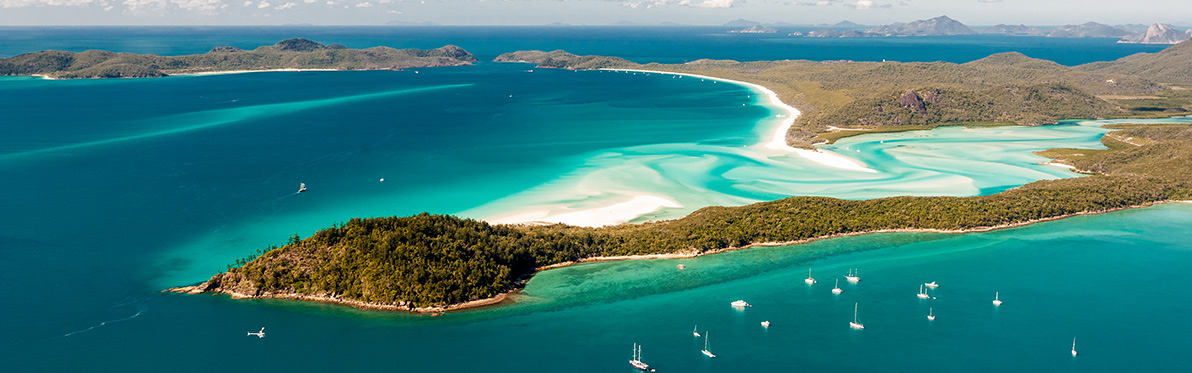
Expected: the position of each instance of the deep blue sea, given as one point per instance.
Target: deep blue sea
(116, 189)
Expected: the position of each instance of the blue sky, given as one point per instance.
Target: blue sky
(583, 12)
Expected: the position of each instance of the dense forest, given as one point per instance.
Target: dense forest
(286, 54)
(434, 260)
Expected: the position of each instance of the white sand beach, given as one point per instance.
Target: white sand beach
(593, 217)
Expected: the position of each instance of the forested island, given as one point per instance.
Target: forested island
(287, 54)
(429, 262)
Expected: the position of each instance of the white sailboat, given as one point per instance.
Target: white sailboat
(706, 351)
(996, 301)
(301, 187)
(636, 361)
(930, 314)
(853, 275)
(260, 334)
(765, 324)
(695, 331)
(836, 290)
(809, 279)
(1073, 346)
(922, 293)
(855, 324)
(932, 285)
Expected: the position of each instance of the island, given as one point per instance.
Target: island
(431, 263)
(291, 54)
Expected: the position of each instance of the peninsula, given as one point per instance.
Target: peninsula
(435, 262)
(301, 54)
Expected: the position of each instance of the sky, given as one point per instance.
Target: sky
(584, 12)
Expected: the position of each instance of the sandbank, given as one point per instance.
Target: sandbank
(225, 72)
(617, 213)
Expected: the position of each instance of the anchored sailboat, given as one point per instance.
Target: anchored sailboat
(260, 334)
(706, 351)
(695, 331)
(855, 324)
(301, 187)
(996, 301)
(836, 290)
(930, 315)
(922, 293)
(1073, 346)
(853, 275)
(636, 361)
(809, 279)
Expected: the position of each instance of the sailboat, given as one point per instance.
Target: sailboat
(930, 315)
(695, 331)
(932, 285)
(765, 324)
(1073, 346)
(996, 301)
(853, 275)
(922, 293)
(636, 361)
(705, 351)
(260, 334)
(836, 290)
(855, 324)
(301, 187)
(809, 279)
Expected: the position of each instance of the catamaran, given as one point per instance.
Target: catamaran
(695, 331)
(996, 302)
(853, 275)
(922, 293)
(836, 290)
(636, 361)
(1073, 346)
(706, 351)
(809, 279)
(932, 285)
(301, 187)
(855, 324)
(260, 334)
(930, 315)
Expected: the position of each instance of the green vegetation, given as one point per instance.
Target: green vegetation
(287, 54)
(434, 260)
(1170, 65)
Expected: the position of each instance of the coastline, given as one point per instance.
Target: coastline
(777, 139)
(506, 296)
(227, 72)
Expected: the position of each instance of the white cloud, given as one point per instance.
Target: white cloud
(391, 11)
(248, 3)
(140, 6)
(24, 3)
(863, 4)
(989, 1)
(708, 3)
(690, 3)
(285, 6)
(263, 4)
(364, 5)
(108, 8)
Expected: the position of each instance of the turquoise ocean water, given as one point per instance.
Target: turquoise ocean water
(116, 189)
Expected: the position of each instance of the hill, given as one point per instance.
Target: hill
(1170, 65)
(941, 25)
(287, 54)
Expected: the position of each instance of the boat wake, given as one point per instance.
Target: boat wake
(140, 307)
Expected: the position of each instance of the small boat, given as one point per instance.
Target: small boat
(740, 304)
(765, 324)
(1073, 346)
(930, 315)
(922, 293)
(695, 331)
(809, 280)
(855, 324)
(260, 334)
(301, 187)
(996, 301)
(932, 285)
(680, 267)
(382, 179)
(706, 351)
(636, 361)
(836, 290)
(853, 275)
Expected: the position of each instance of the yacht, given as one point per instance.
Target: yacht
(1073, 346)
(706, 351)
(996, 301)
(855, 324)
(740, 304)
(932, 285)
(836, 290)
(695, 331)
(922, 293)
(765, 324)
(809, 279)
(930, 314)
(853, 275)
(636, 361)
(301, 187)
(260, 334)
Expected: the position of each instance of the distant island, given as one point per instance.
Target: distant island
(943, 25)
(298, 53)
(755, 29)
(431, 263)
